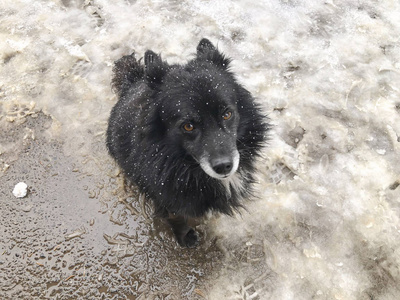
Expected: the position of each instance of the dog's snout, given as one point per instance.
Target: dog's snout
(222, 166)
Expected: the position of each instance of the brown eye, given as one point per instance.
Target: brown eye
(227, 115)
(188, 126)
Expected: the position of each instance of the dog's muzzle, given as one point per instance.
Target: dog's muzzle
(220, 167)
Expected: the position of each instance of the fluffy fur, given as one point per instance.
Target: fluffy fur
(186, 135)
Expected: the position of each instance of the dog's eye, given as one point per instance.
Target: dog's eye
(227, 115)
(188, 126)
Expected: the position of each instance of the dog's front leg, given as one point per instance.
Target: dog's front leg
(185, 235)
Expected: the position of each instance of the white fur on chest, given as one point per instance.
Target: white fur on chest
(233, 183)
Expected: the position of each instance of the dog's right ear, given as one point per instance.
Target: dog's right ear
(155, 68)
(204, 46)
(207, 51)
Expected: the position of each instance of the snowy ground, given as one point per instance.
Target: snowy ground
(327, 222)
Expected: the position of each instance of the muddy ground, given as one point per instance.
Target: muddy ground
(80, 235)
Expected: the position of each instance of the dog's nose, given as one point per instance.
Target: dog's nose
(222, 166)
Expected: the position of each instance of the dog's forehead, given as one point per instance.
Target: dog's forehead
(200, 101)
(196, 94)
(205, 87)
(190, 107)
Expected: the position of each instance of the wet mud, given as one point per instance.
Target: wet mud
(79, 235)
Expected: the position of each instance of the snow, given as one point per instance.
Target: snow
(326, 224)
(20, 190)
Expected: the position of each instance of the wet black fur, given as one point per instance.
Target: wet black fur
(143, 139)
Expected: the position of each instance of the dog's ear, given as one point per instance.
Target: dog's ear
(207, 51)
(155, 68)
(204, 46)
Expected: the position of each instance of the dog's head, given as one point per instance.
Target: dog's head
(197, 106)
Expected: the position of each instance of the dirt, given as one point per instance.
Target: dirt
(81, 232)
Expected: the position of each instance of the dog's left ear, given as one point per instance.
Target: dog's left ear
(207, 51)
(155, 68)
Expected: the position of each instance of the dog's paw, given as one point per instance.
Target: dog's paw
(190, 240)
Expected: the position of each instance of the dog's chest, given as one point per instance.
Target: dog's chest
(235, 184)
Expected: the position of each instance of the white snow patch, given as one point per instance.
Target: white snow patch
(20, 190)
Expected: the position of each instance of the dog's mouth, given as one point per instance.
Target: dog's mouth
(221, 167)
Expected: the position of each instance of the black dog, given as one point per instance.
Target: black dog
(186, 135)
